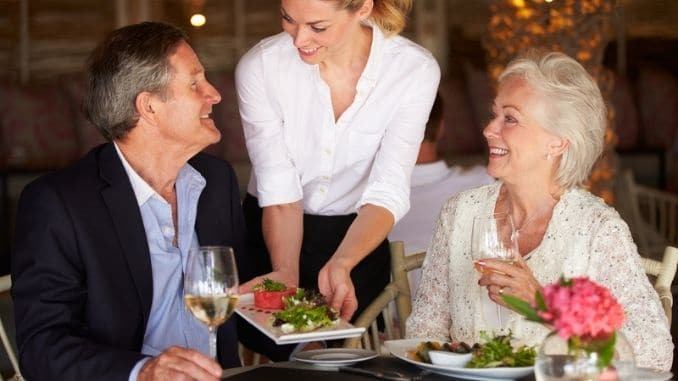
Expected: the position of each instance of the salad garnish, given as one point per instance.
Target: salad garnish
(305, 311)
(269, 285)
(498, 352)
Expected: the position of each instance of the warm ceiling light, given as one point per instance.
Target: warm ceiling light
(198, 20)
(548, 1)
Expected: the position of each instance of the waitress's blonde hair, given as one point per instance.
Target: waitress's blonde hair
(389, 15)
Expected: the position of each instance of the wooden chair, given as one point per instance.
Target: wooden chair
(665, 271)
(398, 292)
(652, 215)
(5, 286)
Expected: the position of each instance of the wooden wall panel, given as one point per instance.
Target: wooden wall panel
(9, 39)
(63, 32)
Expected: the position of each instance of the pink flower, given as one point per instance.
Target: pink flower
(581, 308)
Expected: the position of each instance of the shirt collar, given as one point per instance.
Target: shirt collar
(141, 189)
(368, 79)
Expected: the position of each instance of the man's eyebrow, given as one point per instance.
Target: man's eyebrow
(197, 70)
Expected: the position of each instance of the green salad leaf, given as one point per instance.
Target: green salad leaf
(269, 285)
(498, 352)
(305, 311)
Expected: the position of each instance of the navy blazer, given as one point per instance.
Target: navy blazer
(81, 268)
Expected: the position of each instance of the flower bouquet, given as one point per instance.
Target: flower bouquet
(586, 317)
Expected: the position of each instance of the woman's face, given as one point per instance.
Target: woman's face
(518, 144)
(318, 28)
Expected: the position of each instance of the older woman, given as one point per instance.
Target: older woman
(545, 134)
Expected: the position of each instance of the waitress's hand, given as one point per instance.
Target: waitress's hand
(334, 281)
(515, 279)
(288, 278)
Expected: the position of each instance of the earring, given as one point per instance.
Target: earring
(548, 156)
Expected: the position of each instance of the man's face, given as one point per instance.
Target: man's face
(184, 115)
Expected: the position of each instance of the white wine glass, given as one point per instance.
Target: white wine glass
(494, 237)
(211, 287)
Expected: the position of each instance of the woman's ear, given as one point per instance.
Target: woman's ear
(366, 10)
(558, 146)
(144, 105)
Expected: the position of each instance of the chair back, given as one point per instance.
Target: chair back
(5, 286)
(396, 292)
(665, 271)
(652, 215)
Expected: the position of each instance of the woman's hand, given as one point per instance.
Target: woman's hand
(288, 278)
(512, 278)
(334, 281)
(282, 229)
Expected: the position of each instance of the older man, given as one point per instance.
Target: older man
(100, 246)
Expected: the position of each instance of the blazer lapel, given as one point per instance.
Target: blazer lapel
(210, 225)
(122, 206)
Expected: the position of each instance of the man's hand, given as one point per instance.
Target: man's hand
(286, 277)
(180, 364)
(334, 281)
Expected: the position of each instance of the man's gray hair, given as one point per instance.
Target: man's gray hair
(130, 60)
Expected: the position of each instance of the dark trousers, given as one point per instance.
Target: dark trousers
(322, 236)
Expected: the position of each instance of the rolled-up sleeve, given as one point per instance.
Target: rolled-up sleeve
(277, 178)
(389, 181)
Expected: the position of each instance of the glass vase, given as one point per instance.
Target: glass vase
(556, 361)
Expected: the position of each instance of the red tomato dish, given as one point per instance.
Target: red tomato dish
(272, 300)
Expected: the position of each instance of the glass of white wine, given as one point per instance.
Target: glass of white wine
(494, 237)
(211, 287)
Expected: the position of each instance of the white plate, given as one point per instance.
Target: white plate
(263, 319)
(647, 374)
(334, 356)
(399, 348)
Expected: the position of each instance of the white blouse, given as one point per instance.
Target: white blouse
(585, 237)
(299, 151)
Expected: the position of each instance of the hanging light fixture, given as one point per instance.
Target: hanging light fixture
(198, 18)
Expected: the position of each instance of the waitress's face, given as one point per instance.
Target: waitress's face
(319, 29)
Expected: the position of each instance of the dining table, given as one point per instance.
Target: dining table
(383, 367)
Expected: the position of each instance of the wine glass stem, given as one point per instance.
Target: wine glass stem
(499, 322)
(213, 342)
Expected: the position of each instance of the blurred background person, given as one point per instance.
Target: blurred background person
(545, 135)
(433, 182)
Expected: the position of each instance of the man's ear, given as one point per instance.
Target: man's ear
(144, 104)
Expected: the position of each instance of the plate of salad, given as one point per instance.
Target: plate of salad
(305, 316)
(494, 359)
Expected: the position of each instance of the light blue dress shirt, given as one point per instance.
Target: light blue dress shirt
(169, 323)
